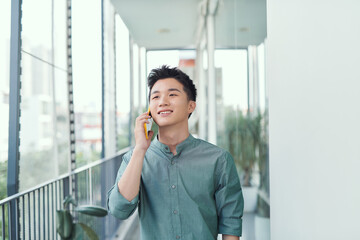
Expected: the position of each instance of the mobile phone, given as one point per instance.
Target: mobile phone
(147, 126)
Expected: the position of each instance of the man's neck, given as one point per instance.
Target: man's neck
(172, 136)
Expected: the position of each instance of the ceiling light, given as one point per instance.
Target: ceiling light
(163, 30)
(243, 29)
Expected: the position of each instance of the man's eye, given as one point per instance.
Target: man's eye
(173, 94)
(155, 97)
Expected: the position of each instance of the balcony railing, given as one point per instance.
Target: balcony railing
(32, 214)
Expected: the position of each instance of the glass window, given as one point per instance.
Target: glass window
(86, 49)
(231, 80)
(5, 12)
(122, 83)
(62, 121)
(41, 130)
(44, 26)
(37, 28)
(44, 121)
(242, 119)
(60, 34)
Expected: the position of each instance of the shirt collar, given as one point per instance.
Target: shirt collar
(181, 146)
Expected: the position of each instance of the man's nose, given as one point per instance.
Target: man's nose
(164, 101)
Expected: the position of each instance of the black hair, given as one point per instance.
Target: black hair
(165, 71)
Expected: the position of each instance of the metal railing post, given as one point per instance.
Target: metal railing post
(72, 164)
(102, 84)
(66, 188)
(14, 116)
(3, 232)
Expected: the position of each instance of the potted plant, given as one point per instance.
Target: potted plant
(262, 217)
(244, 139)
(68, 228)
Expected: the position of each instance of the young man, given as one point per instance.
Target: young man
(185, 188)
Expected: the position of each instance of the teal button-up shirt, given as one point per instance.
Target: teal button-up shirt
(195, 194)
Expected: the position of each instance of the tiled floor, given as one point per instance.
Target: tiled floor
(129, 229)
(248, 226)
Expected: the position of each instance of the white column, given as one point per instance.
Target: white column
(140, 81)
(210, 26)
(254, 79)
(110, 124)
(201, 99)
(132, 91)
(313, 59)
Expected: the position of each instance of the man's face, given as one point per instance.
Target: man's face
(169, 104)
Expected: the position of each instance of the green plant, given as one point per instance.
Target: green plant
(244, 138)
(68, 228)
(263, 208)
(3, 179)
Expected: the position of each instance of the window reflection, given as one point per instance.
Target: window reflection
(44, 120)
(86, 49)
(122, 83)
(243, 124)
(44, 141)
(37, 29)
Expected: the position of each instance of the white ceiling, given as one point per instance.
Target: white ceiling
(172, 24)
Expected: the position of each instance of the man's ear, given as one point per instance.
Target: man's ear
(191, 106)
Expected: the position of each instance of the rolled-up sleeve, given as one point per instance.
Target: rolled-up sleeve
(228, 197)
(117, 205)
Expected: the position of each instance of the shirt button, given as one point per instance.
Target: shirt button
(166, 148)
(172, 162)
(175, 212)
(173, 186)
(177, 237)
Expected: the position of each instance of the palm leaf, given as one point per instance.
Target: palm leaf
(89, 232)
(92, 210)
(67, 200)
(64, 223)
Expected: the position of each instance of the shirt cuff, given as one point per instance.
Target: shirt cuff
(230, 226)
(119, 206)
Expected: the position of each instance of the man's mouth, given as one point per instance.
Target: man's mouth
(165, 112)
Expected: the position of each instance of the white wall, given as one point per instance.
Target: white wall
(313, 71)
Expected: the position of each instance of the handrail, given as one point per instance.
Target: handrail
(98, 162)
(78, 170)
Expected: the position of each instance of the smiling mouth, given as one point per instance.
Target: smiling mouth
(165, 112)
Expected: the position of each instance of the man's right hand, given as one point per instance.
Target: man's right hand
(129, 182)
(141, 142)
